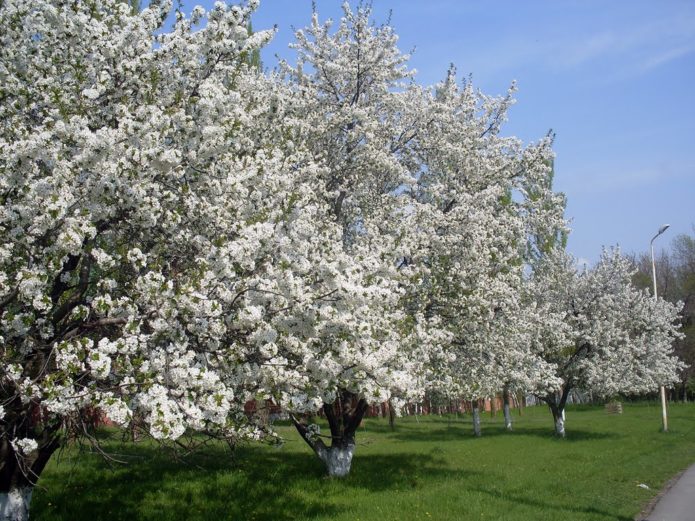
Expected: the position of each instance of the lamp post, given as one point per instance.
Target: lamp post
(662, 391)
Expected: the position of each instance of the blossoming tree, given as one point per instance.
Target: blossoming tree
(170, 246)
(423, 177)
(599, 331)
(348, 105)
(479, 198)
(151, 206)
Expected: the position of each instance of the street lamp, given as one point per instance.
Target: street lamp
(662, 391)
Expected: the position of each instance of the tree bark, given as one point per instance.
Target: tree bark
(14, 504)
(392, 416)
(476, 418)
(344, 416)
(557, 402)
(338, 457)
(557, 407)
(19, 473)
(559, 419)
(507, 412)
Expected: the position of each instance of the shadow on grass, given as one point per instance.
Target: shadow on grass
(258, 484)
(564, 511)
(399, 471)
(464, 431)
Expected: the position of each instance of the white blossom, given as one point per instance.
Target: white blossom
(24, 446)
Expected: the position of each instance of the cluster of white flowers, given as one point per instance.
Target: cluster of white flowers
(24, 446)
(115, 409)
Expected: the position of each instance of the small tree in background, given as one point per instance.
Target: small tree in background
(675, 275)
(600, 332)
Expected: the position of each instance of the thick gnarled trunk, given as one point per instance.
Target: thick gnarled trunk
(14, 504)
(18, 475)
(337, 458)
(19, 472)
(344, 416)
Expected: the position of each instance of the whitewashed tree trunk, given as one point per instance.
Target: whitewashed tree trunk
(507, 417)
(15, 468)
(344, 416)
(560, 425)
(476, 419)
(557, 403)
(14, 505)
(338, 459)
(507, 412)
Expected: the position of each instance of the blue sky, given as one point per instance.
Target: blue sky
(614, 79)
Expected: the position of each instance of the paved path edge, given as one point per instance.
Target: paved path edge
(649, 508)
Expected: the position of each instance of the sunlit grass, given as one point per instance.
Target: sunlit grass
(431, 469)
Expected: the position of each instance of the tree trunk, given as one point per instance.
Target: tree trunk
(557, 407)
(392, 416)
(493, 406)
(337, 457)
(507, 412)
(19, 473)
(476, 418)
(685, 391)
(344, 416)
(558, 410)
(14, 504)
(559, 423)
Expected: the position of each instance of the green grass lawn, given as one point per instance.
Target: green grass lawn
(433, 469)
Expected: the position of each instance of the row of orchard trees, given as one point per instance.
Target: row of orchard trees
(182, 233)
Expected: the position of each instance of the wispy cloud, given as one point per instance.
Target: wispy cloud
(622, 50)
(666, 56)
(636, 49)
